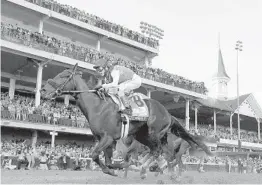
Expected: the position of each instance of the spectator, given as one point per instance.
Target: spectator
(43, 161)
(228, 164)
(7, 163)
(22, 160)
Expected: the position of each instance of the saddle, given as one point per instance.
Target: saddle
(136, 101)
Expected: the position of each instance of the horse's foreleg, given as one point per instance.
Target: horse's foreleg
(103, 144)
(127, 161)
(108, 153)
(179, 163)
(127, 156)
(180, 169)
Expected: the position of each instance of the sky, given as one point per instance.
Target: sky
(190, 44)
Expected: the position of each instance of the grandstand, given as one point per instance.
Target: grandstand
(42, 38)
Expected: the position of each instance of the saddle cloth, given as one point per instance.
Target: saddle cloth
(137, 103)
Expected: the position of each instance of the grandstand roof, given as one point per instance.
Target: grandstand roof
(215, 103)
(231, 105)
(233, 102)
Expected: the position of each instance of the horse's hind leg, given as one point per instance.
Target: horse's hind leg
(103, 144)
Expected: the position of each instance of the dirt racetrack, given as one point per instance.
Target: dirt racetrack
(97, 177)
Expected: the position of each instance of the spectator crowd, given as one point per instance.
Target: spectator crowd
(22, 108)
(16, 152)
(96, 21)
(223, 132)
(14, 33)
(71, 156)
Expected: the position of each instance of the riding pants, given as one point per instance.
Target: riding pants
(129, 85)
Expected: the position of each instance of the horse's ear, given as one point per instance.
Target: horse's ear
(75, 67)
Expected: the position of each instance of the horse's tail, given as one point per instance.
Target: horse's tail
(180, 131)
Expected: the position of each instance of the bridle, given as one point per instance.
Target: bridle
(59, 88)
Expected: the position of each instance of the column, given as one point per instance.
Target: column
(53, 134)
(187, 114)
(231, 124)
(41, 25)
(98, 45)
(234, 149)
(38, 85)
(258, 128)
(66, 100)
(146, 61)
(215, 121)
(34, 138)
(196, 118)
(148, 91)
(12, 88)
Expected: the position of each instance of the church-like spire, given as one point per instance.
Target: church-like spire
(220, 79)
(221, 71)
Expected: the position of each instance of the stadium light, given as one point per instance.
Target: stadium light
(151, 30)
(238, 48)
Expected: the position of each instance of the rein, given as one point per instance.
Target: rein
(77, 92)
(59, 88)
(99, 92)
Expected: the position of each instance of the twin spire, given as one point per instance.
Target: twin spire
(220, 78)
(220, 71)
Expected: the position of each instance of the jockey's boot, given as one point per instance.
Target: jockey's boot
(128, 109)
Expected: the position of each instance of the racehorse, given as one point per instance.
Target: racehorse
(105, 120)
(173, 148)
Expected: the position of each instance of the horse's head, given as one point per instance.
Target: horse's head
(64, 81)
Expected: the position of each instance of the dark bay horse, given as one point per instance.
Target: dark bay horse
(105, 120)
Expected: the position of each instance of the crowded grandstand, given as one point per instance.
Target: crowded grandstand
(54, 135)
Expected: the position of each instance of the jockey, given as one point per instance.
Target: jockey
(116, 76)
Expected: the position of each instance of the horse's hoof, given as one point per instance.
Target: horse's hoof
(160, 182)
(173, 177)
(109, 172)
(178, 179)
(143, 173)
(143, 176)
(125, 174)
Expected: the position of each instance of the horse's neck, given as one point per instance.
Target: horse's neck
(87, 102)
(80, 84)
